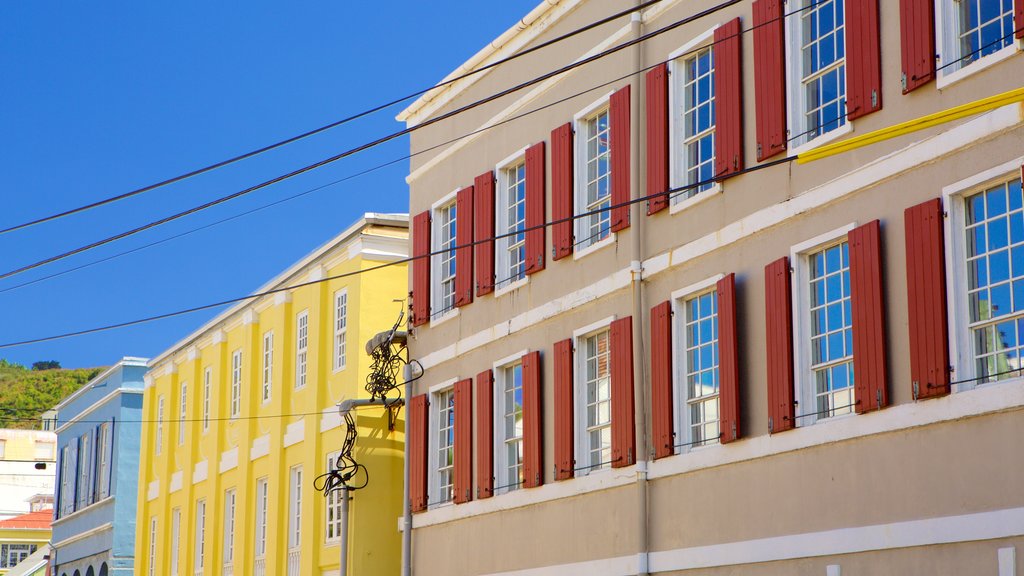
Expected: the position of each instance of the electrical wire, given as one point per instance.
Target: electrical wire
(374, 143)
(326, 127)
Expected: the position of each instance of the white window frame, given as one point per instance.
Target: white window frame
(504, 281)
(301, 348)
(236, 384)
(803, 375)
(584, 466)
(954, 196)
(436, 298)
(796, 96)
(159, 423)
(230, 505)
(267, 366)
(340, 329)
(175, 540)
(947, 41)
(200, 534)
(207, 383)
(332, 507)
(579, 203)
(295, 508)
(152, 545)
(68, 476)
(182, 412)
(262, 499)
(434, 447)
(680, 397)
(678, 165)
(84, 496)
(105, 455)
(502, 480)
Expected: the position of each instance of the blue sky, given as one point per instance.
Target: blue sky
(102, 98)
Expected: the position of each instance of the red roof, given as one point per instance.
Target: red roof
(32, 521)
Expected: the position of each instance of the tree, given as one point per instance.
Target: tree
(46, 365)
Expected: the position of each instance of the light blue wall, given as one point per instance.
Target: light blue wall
(115, 396)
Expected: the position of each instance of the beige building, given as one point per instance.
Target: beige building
(807, 368)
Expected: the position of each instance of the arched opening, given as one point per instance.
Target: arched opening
(77, 573)
(103, 569)
(90, 572)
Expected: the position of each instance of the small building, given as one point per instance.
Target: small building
(26, 469)
(98, 434)
(22, 536)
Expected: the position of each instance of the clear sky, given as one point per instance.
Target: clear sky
(99, 98)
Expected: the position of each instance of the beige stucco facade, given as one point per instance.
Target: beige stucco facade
(920, 487)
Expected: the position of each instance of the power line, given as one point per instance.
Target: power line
(376, 142)
(388, 264)
(325, 127)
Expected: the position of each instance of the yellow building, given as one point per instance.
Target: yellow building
(243, 419)
(21, 536)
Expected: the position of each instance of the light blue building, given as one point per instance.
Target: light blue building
(98, 431)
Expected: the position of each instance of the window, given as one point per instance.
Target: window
(68, 468)
(827, 360)
(175, 542)
(301, 347)
(106, 442)
(3, 449)
(268, 365)
(207, 382)
(694, 121)
(594, 169)
(85, 465)
(44, 450)
(699, 369)
(340, 326)
(236, 383)
(969, 30)
(993, 258)
(594, 399)
(229, 527)
(152, 545)
(200, 532)
(333, 510)
(444, 260)
(443, 445)
(182, 413)
(511, 218)
(12, 554)
(295, 508)
(509, 463)
(818, 58)
(261, 517)
(159, 423)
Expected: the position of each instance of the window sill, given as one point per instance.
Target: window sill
(967, 387)
(83, 511)
(499, 292)
(577, 254)
(822, 139)
(676, 207)
(453, 313)
(946, 80)
(339, 369)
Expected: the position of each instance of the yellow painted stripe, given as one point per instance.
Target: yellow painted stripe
(910, 126)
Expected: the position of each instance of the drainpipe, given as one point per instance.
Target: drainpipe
(343, 565)
(406, 508)
(639, 221)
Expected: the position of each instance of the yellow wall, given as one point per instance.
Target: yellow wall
(21, 444)
(374, 538)
(23, 536)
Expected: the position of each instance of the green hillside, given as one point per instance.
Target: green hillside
(25, 394)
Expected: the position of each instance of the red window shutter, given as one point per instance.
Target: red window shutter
(657, 139)
(778, 298)
(728, 361)
(917, 39)
(728, 99)
(483, 231)
(769, 77)
(485, 434)
(533, 434)
(926, 299)
(619, 145)
(421, 268)
(1018, 18)
(535, 217)
(561, 191)
(661, 380)
(871, 385)
(863, 59)
(565, 460)
(418, 434)
(464, 250)
(623, 411)
(462, 482)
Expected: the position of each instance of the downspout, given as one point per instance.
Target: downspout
(406, 508)
(638, 221)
